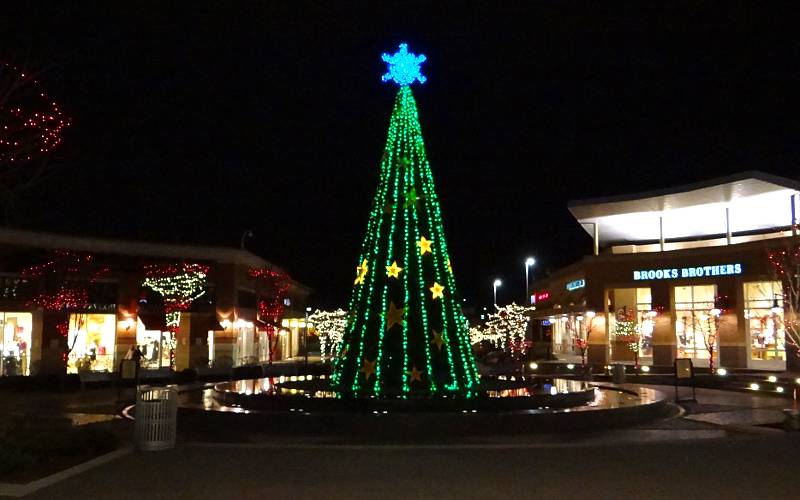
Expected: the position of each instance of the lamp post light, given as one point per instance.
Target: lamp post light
(529, 262)
(497, 284)
(305, 338)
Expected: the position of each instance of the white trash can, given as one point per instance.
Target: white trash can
(156, 416)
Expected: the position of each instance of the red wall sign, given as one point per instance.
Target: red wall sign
(539, 296)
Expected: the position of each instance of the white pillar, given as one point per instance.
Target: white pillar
(728, 224)
(661, 231)
(596, 238)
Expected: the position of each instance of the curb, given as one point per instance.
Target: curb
(20, 490)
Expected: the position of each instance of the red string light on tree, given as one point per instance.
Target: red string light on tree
(31, 123)
(271, 288)
(63, 281)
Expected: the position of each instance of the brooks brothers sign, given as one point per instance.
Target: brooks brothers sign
(687, 272)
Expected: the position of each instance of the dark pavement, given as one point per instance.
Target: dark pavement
(733, 467)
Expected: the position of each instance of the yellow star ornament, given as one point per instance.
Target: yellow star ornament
(424, 246)
(436, 290)
(361, 272)
(368, 369)
(393, 271)
(415, 375)
(394, 316)
(437, 340)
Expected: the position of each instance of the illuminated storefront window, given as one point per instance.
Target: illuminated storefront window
(16, 343)
(154, 346)
(694, 322)
(638, 300)
(563, 332)
(763, 313)
(90, 340)
(245, 351)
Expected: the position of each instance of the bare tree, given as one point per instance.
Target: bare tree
(785, 263)
(31, 129)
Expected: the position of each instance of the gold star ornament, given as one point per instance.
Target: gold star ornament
(437, 340)
(393, 271)
(424, 246)
(368, 369)
(415, 375)
(361, 272)
(394, 316)
(436, 290)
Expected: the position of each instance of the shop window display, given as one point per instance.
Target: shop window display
(694, 321)
(763, 313)
(16, 330)
(245, 350)
(638, 300)
(154, 346)
(91, 339)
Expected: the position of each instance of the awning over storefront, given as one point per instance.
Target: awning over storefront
(746, 202)
(153, 320)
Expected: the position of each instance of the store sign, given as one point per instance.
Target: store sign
(574, 285)
(687, 272)
(539, 296)
(546, 322)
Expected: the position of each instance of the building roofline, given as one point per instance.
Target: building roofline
(748, 174)
(47, 240)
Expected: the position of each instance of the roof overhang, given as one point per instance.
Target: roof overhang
(756, 201)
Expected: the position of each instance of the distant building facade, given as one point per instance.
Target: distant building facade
(687, 266)
(92, 310)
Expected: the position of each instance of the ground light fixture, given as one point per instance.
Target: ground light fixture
(722, 372)
(533, 366)
(754, 386)
(779, 389)
(570, 366)
(644, 368)
(772, 378)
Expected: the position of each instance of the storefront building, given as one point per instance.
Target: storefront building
(682, 272)
(72, 304)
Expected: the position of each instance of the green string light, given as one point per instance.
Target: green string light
(383, 351)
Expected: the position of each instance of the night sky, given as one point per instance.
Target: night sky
(195, 121)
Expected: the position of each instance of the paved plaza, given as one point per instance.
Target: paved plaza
(699, 454)
(703, 468)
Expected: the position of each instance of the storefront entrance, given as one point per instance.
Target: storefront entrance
(154, 345)
(15, 343)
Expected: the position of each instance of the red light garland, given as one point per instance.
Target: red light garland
(74, 271)
(31, 123)
(271, 288)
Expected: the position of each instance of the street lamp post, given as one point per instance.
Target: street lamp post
(305, 340)
(497, 283)
(529, 262)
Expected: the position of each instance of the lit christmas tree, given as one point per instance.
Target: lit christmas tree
(405, 334)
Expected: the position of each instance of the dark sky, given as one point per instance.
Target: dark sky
(194, 121)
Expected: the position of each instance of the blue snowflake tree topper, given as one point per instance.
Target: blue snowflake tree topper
(403, 66)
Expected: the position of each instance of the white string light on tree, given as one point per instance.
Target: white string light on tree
(330, 327)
